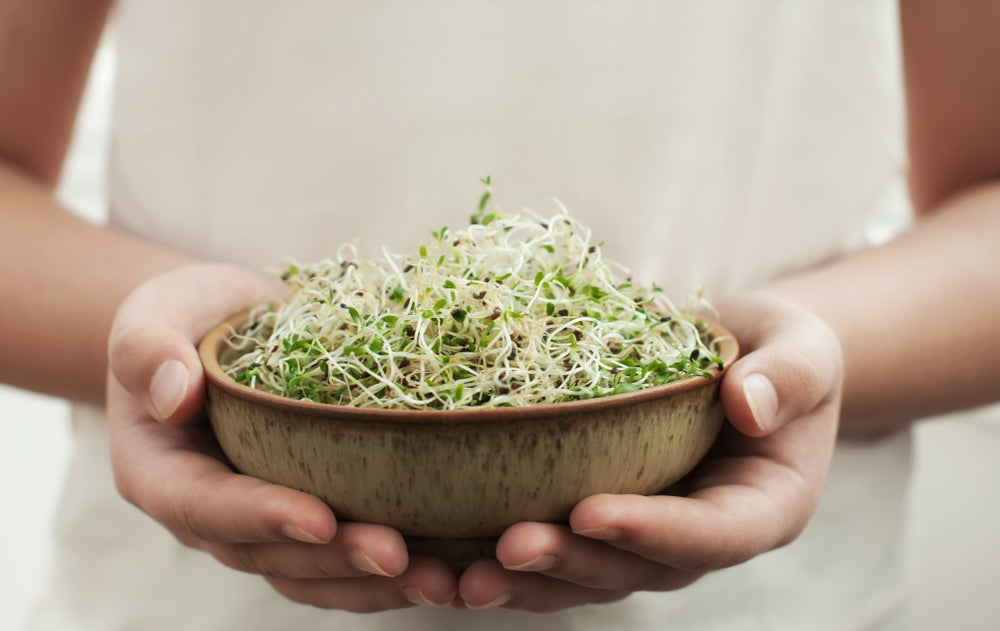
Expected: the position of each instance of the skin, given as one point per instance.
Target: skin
(827, 365)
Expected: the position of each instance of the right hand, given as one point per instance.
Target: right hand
(167, 463)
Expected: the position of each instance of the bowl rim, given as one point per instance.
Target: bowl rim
(210, 346)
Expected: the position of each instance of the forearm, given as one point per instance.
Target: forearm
(63, 281)
(917, 316)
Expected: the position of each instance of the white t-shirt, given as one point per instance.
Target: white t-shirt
(708, 144)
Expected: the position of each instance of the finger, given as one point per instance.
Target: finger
(680, 532)
(556, 552)
(357, 550)
(427, 582)
(159, 469)
(792, 365)
(151, 348)
(486, 584)
(741, 507)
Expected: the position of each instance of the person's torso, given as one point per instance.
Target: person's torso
(706, 143)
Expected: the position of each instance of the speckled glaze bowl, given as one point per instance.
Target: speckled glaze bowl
(452, 481)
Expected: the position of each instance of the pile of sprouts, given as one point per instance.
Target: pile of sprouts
(512, 310)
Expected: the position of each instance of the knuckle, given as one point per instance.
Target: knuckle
(183, 514)
(802, 370)
(334, 566)
(130, 349)
(583, 574)
(124, 340)
(241, 557)
(293, 591)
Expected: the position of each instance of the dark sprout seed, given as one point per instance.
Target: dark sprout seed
(471, 352)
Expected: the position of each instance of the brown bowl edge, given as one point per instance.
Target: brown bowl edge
(208, 350)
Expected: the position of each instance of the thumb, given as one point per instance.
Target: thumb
(793, 365)
(151, 349)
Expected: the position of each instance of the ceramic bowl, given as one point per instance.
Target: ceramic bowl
(452, 481)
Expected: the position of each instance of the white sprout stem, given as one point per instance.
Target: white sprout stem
(513, 310)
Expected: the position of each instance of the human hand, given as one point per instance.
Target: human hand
(754, 492)
(167, 463)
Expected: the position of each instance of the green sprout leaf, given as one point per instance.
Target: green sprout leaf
(516, 310)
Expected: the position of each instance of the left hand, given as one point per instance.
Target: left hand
(754, 492)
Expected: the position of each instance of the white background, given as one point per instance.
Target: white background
(955, 504)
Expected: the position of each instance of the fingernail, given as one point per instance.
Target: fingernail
(415, 596)
(604, 533)
(499, 601)
(762, 399)
(168, 387)
(295, 532)
(361, 560)
(538, 564)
